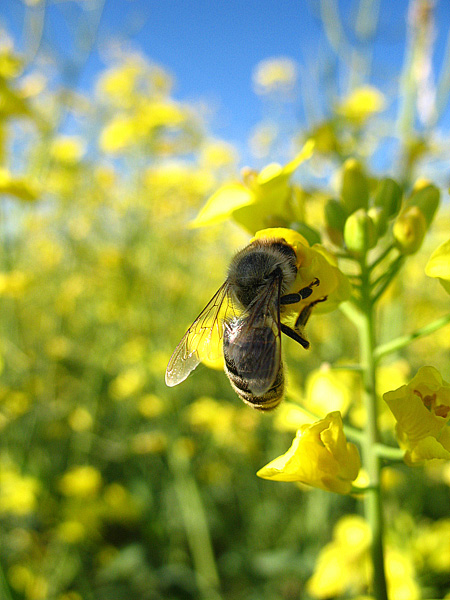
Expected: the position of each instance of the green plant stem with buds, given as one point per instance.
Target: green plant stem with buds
(371, 458)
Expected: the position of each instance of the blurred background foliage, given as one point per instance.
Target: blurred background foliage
(113, 486)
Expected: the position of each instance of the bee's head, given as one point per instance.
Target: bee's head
(255, 267)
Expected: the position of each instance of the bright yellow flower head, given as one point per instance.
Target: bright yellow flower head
(320, 456)
(257, 200)
(422, 410)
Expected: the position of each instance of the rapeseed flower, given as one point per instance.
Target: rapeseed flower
(422, 410)
(320, 456)
(258, 200)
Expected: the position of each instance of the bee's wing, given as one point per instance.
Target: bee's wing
(202, 339)
(255, 341)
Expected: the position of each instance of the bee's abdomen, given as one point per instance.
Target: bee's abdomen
(268, 401)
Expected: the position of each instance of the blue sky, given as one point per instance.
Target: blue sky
(212, 47)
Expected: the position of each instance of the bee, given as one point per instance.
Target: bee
(245, 316)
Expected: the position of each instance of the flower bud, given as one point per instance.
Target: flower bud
(427, 199)
(360, 233)
(409, 229)
(335, 217)
(379, 218)
(355, 186)
(335, 214)
(388, 196)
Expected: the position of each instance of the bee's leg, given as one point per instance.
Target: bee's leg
(300, 295)
(294, 336)
(304, 315)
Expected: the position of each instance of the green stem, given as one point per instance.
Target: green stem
(371, 460)
(4, 587)
(405, 340)
(196, 526)
(389, 452)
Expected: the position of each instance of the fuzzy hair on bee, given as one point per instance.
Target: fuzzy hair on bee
(243, 320)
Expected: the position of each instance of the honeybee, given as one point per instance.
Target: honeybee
(245, 316)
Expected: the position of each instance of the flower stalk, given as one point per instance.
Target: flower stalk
(371, 459)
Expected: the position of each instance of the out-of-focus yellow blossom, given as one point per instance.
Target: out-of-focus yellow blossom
(343, 565)
(149, 442)
(118, 134)
(71, 532)
(360, 104)
(330, 390)
(67, 149)
(255, 202)
(119, 82)
(312, 263)
(119, 504)
(422, 410)
(23, 188)
(217, 154)
(320, 456)
(150, 406)
(275, 75)
(126, 384)
(439, 265)
(13, 283)
(18, 493)
(429, 544)
(133, 350)
(124, 83)
(400, 575)
(230, 426)
(80, 419)
(290, 416)
(126, 130)
(81, 482)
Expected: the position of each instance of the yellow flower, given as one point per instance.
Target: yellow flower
(18, 493)
(261, 198)
(361, 104)
(320, 456)
(312, 263)
(344, 563)
(422, 410)
(328, 389)
(82, 482)
(439, 265)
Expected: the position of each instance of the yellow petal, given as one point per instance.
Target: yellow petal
(439, 262)
(222, 204)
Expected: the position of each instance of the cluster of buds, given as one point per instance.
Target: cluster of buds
(367, 210)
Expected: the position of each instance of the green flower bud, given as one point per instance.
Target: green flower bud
(388, 196)
(359, 232)
(335, 215)
(355, 186)
(379, 218)
(427, 198)
(409, 229)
